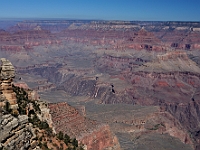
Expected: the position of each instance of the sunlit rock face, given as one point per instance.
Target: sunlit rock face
(16, 133)
(7, 74)
(7, 69)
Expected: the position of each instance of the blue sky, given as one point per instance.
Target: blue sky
(147, 10)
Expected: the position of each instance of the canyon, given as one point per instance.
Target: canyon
(116, 84)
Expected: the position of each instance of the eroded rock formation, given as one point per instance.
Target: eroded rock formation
(6, 77)
(16, 133)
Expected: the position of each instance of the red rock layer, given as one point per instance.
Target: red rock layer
(68, 120)
(26, 40)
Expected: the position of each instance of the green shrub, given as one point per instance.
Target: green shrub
(66, 139)
(43, 125)
(60, 135)
(75, 142)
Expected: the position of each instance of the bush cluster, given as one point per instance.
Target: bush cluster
(22, 100)
(71, 143)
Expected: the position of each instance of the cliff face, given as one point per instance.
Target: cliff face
(101, 139)
(26, 40)
(115, 35)
(88, 132)
(128, 36)
(177, 93)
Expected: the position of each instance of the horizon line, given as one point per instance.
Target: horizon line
(73, 19)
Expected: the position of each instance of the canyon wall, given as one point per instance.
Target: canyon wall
(88, 132)
(158, 62)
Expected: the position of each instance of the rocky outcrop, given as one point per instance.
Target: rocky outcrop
(6, 76)
(7, 69)
(28, 131)
(16, 133)
(45, 114)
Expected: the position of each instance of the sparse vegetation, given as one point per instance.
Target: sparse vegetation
(60, 135)
(66, 139)
(22, 100)
(45, 134)
(71, 143)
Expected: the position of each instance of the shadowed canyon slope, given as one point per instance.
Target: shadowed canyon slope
(151, 69)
